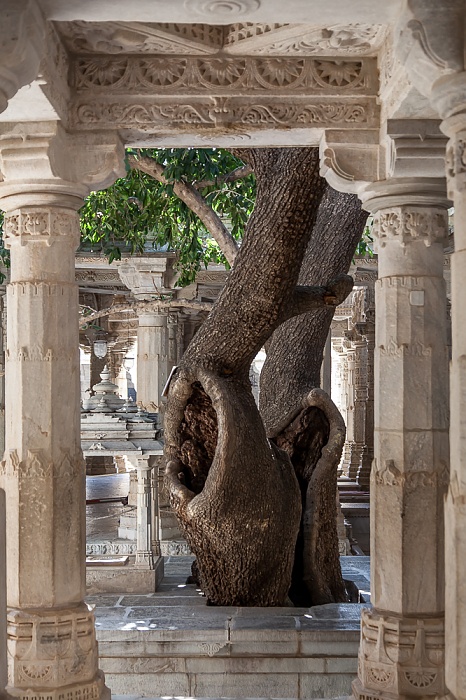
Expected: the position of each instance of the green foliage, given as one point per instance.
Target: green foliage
(137, 211)
(4, 253)
(366, 244)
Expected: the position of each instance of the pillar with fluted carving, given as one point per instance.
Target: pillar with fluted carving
(52, 650)
(152, 362)
(368, 330)
(359, 405)
(348, 398)
(402, 636)
(449, 96)
(144, 554)
(3, 659)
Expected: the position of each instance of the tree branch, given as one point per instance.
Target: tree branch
(237, 174)
(309, 298)
(191, 197)
(147, 306)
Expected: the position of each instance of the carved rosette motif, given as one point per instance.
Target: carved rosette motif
(53, 652)
(402, 657)
(408, 224)
(206, 74)
(41, 225)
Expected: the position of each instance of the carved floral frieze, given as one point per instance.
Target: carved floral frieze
(216, 112)
(206, 74)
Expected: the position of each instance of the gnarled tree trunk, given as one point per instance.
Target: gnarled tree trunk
(234, 492)
(303, 421)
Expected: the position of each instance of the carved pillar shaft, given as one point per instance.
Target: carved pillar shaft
(52, 649)
(364, 472)
(152, 360)
(402, 637)
(144, 555)
(3, 661)
(43, 471)
(359, 407)
(348, 399)
(155, 528)
(455, 505)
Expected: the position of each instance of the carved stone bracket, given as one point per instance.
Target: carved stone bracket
(421, 44)
(22, 44)
(44, 165)
(350, 161)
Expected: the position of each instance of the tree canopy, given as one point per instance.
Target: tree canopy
(139, 208)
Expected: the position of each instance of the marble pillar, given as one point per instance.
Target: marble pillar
(52, 650)
(364, 472)
(144, 555)
(450, 98)
(3, 660)
(152, 360)
(359, 405)
(2, 369)
(402, 636)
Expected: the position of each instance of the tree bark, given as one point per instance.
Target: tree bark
(234, 492)
(305, 423)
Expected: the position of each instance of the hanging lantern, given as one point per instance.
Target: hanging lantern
(100, 348)
(128, 363)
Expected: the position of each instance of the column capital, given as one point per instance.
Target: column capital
(22, 45)
(44, 165)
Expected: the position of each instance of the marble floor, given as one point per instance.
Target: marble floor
(177, 605)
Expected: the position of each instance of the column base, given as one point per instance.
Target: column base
(94, 690)
(49, 648)
(400, 657)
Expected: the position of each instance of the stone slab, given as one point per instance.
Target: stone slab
(127, 579)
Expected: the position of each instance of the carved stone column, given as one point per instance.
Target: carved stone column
(359, 395)
(3, 661)
(152, 360)
(368, 329)
(450, 96)
(144, 555)
(2, 368)
(52, 650)
(348, 387)
(402, 637)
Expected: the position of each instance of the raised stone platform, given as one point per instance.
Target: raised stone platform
(170, 643)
